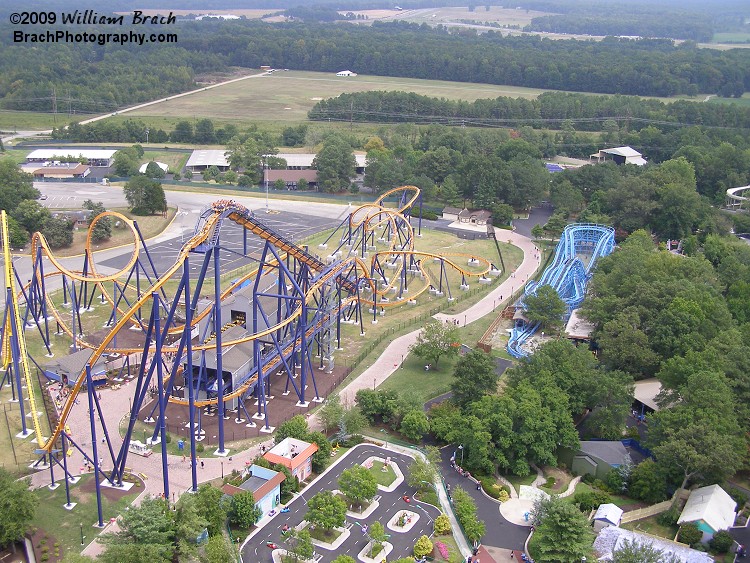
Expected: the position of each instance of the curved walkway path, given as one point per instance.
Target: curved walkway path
(384, 366)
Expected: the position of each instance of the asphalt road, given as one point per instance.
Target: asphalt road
(390, 504)
(537, 216)
(499, 532)
(294, 226)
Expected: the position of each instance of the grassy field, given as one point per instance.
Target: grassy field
(277, 100)
(731, 37)
(384, 478)
(64, 526)
(150, 226)
(507, 17)
(743, 101)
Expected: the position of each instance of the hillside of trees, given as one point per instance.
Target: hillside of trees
(85, 78)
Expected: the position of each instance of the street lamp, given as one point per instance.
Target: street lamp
(461, 447)
(222, 469)
(82, 536)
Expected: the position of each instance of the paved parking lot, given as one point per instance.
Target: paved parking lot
(390, 504)
(294, 226)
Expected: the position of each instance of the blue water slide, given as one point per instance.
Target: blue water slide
(567, 274)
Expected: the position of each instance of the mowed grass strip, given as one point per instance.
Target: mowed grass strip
(288, 96)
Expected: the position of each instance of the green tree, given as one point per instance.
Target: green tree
(648, 482)
(188, 174)
(679, 435)
(335, 164)
(414, 425)
(502, 214)
(125, 163)
(377, 536)
(31, 215)
(422, 474)
(279, 184)
(545, 306)
(154, 171)
(638, 552)
(537, 231)
(204, 132)
(436, 340)
(183, 132)
(58, 232)
(690, 533)
(147, 528)
(295, 427)
(563, 534)
(134, 553)
(290, 484)
(326, 511)
(358, 485)
(722, 541)
(211, 173)
(243, 511)
(353, 420)
(188, 526)
(210, 508)
(322, 457)
(298, 544)
(473, 377)
(230, 177)
(219, 549)
(344, 559)
(17, 505)
(17, 234)
(145, 196)
(103, 228)
(15, 185)
(422, 547)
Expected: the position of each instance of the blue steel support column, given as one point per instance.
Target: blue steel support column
(189, 373)
(217, 330)
(162, 397)
(90, 391)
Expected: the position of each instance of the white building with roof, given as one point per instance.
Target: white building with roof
(94, 157)
(607, 514)
(711, 508)
(612, 539)
(346, 73)
(202, 159)
(620, 155)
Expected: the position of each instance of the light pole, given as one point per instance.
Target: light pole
(265, 181)
(461, 448)
(222, 469)
(82, 536)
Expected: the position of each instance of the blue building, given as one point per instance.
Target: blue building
(265, 485)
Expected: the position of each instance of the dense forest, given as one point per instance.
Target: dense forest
(548, 110)
(85, 78)
(683, 319)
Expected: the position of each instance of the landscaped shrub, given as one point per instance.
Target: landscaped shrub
(443, 550)
(489, 486)
(352, 440)
(442, 525)
(669, 518)
(690, 534)
(200, 448)
(504, 496)
(589, 500)
(422, 547)
(550, 482)
(721, 542)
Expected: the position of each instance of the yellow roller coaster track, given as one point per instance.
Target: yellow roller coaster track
(372, 214)
(19, 332)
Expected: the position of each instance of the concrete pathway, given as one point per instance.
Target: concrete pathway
(384, 366)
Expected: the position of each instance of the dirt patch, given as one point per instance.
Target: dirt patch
(44, 543)
(110, 493)
(561, 478)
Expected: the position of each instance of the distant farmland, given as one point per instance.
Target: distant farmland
(288, 96)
